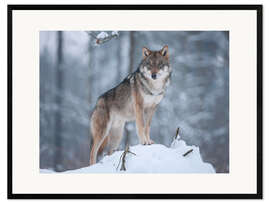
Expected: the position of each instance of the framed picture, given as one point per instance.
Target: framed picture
(135, 101)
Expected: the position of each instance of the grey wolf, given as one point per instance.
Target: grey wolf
(134, 99)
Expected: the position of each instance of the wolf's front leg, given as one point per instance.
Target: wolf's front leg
(148, 119)
(140, 125)
(139, 118)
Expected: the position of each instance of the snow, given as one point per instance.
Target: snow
(154, 158)
(115, 33)
(102, 35)
(130, 126)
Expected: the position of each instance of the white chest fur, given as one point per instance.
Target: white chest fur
(158, 84)
(149, 100)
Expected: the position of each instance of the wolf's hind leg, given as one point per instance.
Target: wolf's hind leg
(116, 134)
(99, 136)
(100, 126)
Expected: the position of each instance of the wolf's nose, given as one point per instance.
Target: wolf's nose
(154, 76)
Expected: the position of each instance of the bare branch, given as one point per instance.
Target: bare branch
(102, 39)
(123, 159)
(189, 151)
(92, 34)
(177, 134)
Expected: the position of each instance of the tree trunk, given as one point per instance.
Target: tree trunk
(58, 116)
(90, 68)
(131, 50)
(119, 60)
(131, 63)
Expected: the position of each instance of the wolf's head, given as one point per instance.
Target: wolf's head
(155, 64)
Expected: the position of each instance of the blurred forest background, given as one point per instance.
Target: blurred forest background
(76, 68)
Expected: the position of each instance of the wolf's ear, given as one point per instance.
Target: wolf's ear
(145, 52)
(164, 51)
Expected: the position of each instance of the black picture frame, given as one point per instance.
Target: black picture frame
(257, 8)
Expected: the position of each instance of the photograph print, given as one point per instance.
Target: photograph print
(134, 101)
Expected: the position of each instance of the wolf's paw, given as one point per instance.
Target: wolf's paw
(143, 141)
(149, 142)
(146, 141)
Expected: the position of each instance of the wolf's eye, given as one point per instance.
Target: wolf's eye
(146, 68)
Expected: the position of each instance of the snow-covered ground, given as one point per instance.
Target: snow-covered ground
(154, 158)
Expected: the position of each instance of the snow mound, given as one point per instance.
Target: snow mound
(102, 35)
(154, 158)
(115, 33)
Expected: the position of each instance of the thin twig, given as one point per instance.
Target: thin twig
(189, 151)
(120, 160)
(123, 158)
(92, 35)
(177, 132)
(131, 153)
